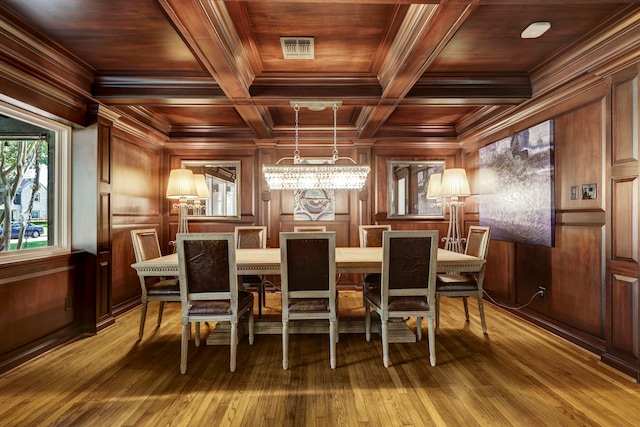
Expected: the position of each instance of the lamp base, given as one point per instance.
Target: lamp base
(454, 241)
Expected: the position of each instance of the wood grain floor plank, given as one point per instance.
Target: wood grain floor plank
(516, 375)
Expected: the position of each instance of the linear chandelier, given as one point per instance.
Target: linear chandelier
(304, 175)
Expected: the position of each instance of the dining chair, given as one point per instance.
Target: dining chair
(465, 285)
(308, 284)
(252, 237)
(209, 288)
(310, 228)
(407, 285)
(146, 247)
(370, 237)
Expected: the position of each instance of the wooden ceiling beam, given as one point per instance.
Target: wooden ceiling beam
(434, 89)
(423, 35)
(208, 31)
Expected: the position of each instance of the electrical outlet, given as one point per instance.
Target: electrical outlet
(542, 291)
(68, 303)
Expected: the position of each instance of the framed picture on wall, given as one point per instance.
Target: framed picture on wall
(516, 186)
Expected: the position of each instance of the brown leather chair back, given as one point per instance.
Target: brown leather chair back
(308, 264)
(409, 262)
(207, 265)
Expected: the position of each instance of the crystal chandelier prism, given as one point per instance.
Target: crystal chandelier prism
(302, 175)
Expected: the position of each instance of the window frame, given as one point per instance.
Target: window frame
(62, 184)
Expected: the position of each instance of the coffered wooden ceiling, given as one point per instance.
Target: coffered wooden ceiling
(214, 70)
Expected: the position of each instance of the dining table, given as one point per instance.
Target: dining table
(348, 260)
(265, 262)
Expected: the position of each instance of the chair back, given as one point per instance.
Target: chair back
(207, 265)
(308, 267)
(409, 264)
(478, 241)
(145, 244)
(310, 228)
(371, 235)
(251, 237)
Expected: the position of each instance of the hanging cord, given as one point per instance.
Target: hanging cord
(335, 132)
(540, 293)
(296, 152)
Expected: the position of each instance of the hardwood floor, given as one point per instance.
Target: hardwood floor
(515, 375)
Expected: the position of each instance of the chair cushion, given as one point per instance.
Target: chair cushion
(417, 303)
(164, 287)
(456, 282)
(222, 307)
(314, 305)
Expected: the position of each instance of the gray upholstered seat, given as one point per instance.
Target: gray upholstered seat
(464, 285)
(407, 285)
(308, 278)
(253, 237)
(145, 247)
(371, 237)
(209, 288)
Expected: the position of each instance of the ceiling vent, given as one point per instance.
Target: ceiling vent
(297, 47)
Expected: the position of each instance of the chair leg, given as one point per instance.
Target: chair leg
(251, 322)
(285, 345)
(419, 328)
(337, 321)
(184, 347)
(234, 346)
(260, 298)
(367, 322)
(466, 308)
(437, 314)
(160, 309)
(197, 339)
(432, 341)
(481, 310)
(143, 316)
(385, 343)
(333, 329)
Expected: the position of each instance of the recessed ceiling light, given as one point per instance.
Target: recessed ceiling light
(535, 30)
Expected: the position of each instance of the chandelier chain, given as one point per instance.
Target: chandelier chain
(296, 152)
(335, 132)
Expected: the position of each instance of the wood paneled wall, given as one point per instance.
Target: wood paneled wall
(623, 295)
(591, 272)
(40, 306)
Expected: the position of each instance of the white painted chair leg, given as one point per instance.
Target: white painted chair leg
(432, 341)
(197, 339)
(419, 328)
(234, 346)
(385, 343)
(332, 342)
(251, 325)
(285, 345)
(367, 322)
(184, 347)
(143, 316)
(437, 314)
(160, 309)
(481, 310)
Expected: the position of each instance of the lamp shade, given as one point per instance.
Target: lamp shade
(181, 185)
(433, 189)
(454, 183)
(201, 186)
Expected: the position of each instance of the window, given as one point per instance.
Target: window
(34, 180)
